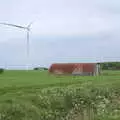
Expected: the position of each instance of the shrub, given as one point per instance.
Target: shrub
(36, 68)
(40, 68)
(1, 70)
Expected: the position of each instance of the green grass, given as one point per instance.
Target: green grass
(37, 78)
(36, 95)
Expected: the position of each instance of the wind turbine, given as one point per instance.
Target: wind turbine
(27, 28)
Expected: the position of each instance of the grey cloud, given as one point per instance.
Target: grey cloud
(64, 30)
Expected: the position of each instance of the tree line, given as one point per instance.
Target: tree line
(110, 65)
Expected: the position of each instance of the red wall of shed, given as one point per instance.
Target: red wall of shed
(69, 67)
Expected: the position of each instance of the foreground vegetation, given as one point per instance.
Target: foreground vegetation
(36, 95)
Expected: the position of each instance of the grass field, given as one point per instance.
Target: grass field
(36, 95)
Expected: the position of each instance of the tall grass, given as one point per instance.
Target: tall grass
(37, 95)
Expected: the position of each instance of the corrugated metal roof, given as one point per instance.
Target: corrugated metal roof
(72, 67)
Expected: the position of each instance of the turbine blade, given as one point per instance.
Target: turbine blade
(18, 26)
(30, 24)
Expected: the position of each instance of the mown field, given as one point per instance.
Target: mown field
(36, 95)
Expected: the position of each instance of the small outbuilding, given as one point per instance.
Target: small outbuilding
(83, 69)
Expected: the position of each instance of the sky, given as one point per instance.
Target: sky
(62, 31)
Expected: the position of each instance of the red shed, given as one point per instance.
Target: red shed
(75, 68)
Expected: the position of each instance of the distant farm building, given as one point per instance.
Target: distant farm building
(83, 69)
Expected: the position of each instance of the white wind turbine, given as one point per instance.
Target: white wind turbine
(27, 28)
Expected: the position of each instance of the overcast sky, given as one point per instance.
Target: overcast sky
(63, 31)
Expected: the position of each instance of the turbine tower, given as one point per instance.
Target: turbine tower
(27, 28)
